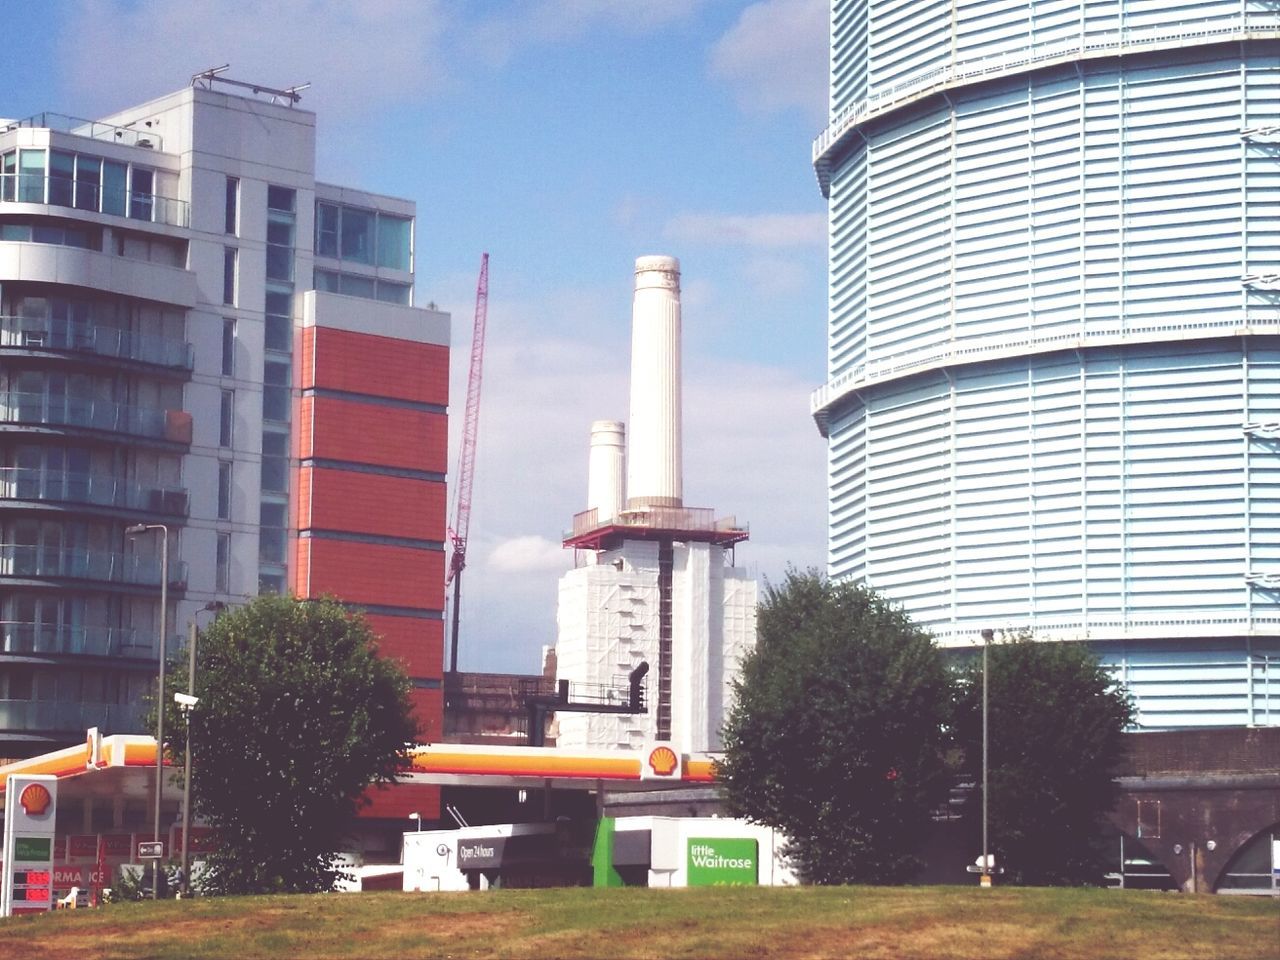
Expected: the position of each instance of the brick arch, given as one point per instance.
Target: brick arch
(1267, 831)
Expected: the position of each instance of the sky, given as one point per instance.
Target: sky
(565, 138)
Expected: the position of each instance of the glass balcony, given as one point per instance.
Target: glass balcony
(83, 563)
(63, 715)
(46, 333)
(51, 409)
(94, 197)
(48, 638)
(66, 486)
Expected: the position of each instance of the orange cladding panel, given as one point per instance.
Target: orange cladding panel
(401, 799)
(375, 574)
(416, 643)
(367, 364)
(428, 708)
(330, 428)
(371, 503)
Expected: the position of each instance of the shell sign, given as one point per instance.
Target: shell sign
(662, 763)
(35, 799)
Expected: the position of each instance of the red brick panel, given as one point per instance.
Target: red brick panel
(374, 574)
(428, 708)
(371, 503)
(401, 799)
(336, 359)
(334, 429)
(418, 644)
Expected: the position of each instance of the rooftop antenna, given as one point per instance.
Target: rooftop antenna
(205, 78)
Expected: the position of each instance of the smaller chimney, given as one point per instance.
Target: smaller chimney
(606, 469)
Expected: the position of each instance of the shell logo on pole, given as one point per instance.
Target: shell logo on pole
(35, 799)
(663, 761)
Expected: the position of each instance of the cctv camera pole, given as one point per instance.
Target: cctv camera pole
(186, 777)
(986, 792)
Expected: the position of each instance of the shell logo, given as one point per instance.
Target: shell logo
(35, 799)
(663, 761)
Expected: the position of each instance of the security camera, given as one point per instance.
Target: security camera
(185, 700)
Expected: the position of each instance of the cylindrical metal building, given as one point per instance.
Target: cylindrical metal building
(1053, 395)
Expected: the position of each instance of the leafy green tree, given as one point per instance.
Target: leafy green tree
(297, 716)
(1056, 729)
(836, 735)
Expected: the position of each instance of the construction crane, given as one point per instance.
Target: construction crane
(467, 458)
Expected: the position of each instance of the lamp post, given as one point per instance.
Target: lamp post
(133, 531)
(187, 703)
(985, 880)
(418, 817)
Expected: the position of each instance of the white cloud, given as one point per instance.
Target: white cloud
(760, 230)
(527, 554)
(776, 57)
(354, 54)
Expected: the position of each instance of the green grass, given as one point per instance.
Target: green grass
(938, 923)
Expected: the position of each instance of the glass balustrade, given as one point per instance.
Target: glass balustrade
(46, 333)
(67, 486)
(82, 563)
(96, 198)
(54, 410)
(51, 638)
(71, 715)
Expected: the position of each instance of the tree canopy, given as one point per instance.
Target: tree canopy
(297, 716)
(836, 735)
(1056, 728)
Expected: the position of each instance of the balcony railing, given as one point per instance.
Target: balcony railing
(49, 638)
(46, 333)
(93, 197)
(93, 129)
(83, 563)
(70, 716)
(47, 409)
(99, 489)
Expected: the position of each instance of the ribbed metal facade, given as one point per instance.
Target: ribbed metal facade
(1053, 395)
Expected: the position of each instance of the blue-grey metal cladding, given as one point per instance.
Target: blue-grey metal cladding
(1053, 395)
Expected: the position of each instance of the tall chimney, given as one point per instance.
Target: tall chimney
(605, 469)
(654, 469)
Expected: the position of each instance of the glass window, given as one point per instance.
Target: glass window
(8, 175)
(88, 182)
(326, 230)
(393, 242)
(229, 258)
(228, 347)
(31, 176)
(327, 280)
(281, 198)
(226, 418)
(140, 193)
(275, 391)
(353, 286)
(62, 177)
(271, 583)
(222, 564)
(271, 533)
(275, 462)
(278, 334)
(224, 490)
(357, 235)
(393, 292)
(114, 192)
(231, 217)
(279, 263)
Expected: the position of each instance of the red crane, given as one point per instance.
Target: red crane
(467, 457)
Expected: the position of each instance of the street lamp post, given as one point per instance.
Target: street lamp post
(133, 531)
(188, 703)
(986, 791)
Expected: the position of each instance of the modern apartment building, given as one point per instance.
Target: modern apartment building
(195, 333)
(1053, 386)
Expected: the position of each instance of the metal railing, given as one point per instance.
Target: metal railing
(84, 563)
(71, 716)
(49, 638)
(48, 409)
(94, 197)
(100, 489)
(93, 129)
(48, 333)
(661, 518)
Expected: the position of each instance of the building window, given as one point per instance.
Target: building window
(281, 198)
(31, 176)
(141, 193)
(271, 583)
(279, 250)
(62, 178)
(224, 490)
(275, 462)
(228, 347)
(227, 417)
(271, 533)
(278, 334)
(231, 218)
(230, 259)
(275, 390)
(364, 236)
(222, 564)
(353, 285)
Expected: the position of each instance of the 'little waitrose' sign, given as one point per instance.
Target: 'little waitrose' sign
(722, 860)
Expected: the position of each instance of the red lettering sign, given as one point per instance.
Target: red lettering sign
(117, 845)
(83, 845)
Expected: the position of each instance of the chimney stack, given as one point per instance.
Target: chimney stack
(606, 469)
(654, 467)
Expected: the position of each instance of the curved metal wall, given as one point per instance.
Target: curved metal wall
(1053, 395)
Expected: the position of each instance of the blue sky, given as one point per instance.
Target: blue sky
(566, 138)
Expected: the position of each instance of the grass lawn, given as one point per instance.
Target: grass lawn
(926, 922)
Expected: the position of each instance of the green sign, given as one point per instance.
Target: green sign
(32, 848)
(723, 860)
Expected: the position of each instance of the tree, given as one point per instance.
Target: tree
(297, 716)
(1056, 728)
(836, 735)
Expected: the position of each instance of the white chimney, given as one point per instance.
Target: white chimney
(654, 469)
(606, 469)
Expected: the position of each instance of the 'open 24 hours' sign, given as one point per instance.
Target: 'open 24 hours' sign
(29, 817)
